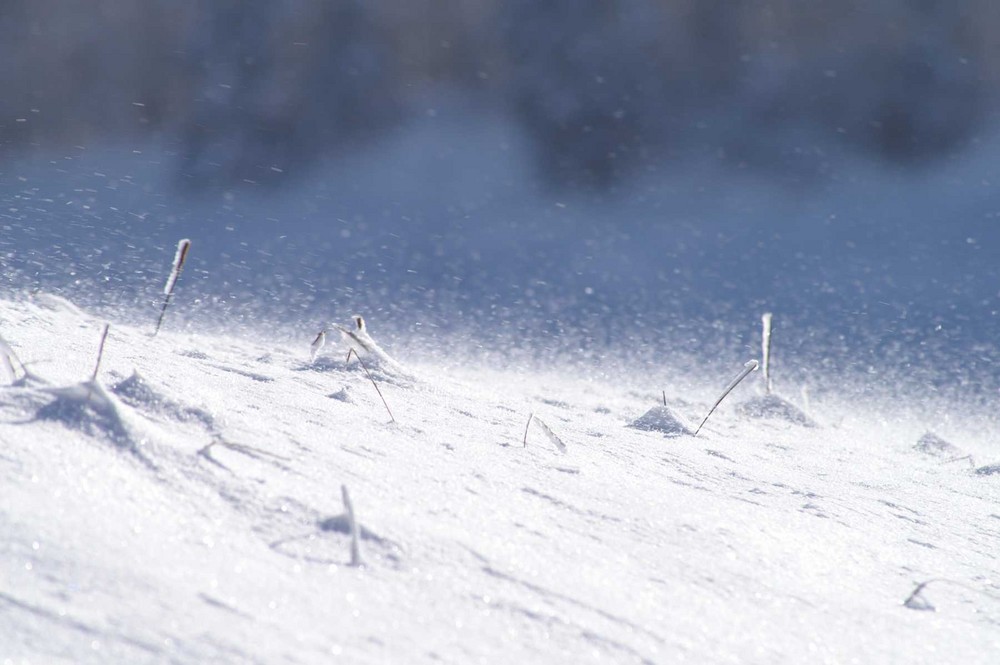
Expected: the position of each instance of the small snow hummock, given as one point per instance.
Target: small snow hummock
(662, 419)
(775, 407)
(989, 470)
(932, 444)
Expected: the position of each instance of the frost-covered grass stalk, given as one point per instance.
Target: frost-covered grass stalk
(750, 366)
(359, 339)
(765, 350)
(317, 345)
(100, 352)
(9, 361)
(168, 289)
(546, 430)
(352, 525)
(8, 367)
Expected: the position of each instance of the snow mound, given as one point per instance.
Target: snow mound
(932, 444)
(140, 394)
(342, 395)
(989, 470)
(328, 543)
(774, 407)
(136, 390)
(662, 419)
(88, 408)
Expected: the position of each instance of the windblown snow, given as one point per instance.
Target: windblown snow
(186, 506)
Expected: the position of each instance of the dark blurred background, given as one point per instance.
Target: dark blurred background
(257, 90)
(577, 173)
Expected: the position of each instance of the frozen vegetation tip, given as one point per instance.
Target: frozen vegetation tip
(180, 256)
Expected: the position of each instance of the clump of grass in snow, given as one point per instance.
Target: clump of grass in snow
(359, 340)
(357, 337)
(168, 289)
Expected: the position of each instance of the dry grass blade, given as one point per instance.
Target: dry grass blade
(556, 441)
(750, 366)
(9, 361)
(8, 367)
(249, 451)
(100, 352)
(916, 602)
(969, 458)
(372, 379)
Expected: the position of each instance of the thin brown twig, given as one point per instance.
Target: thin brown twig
(526, 428)
(370, 378)
(100, 352)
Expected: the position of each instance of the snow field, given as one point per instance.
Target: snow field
(188, 508)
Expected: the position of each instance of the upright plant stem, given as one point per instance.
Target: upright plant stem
(175, 272)
(100, 352)
(765, 343)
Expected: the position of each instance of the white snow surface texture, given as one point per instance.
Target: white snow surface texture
(186, 507)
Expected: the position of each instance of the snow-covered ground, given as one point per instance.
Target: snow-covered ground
(186, 506)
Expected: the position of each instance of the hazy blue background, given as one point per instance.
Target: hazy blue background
(572, 176)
